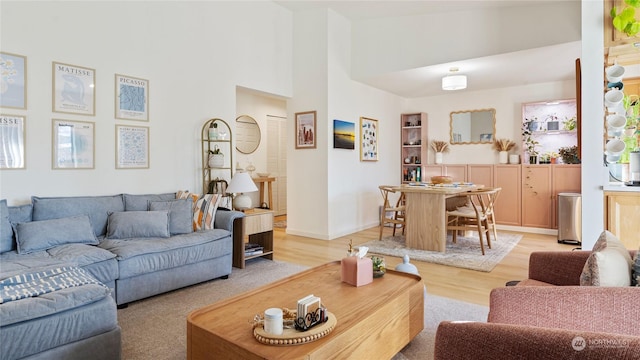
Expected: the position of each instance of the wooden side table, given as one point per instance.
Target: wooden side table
(257, 226)
(260, 182)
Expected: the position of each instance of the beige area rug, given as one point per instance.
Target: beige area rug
(155, 328)
(280, 224)
(465, 253)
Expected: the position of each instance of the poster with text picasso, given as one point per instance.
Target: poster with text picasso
(132, 98)
(73, 89)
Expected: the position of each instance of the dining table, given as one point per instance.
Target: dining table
(426, 213)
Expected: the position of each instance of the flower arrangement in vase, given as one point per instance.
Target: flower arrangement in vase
(379, 267)
(439, 147)
(503, 146)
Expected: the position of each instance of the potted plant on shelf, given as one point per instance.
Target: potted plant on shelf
(216, 157)
(529, 142)
(439, 147)
(570, 124)
(503, 146)
(569, 154)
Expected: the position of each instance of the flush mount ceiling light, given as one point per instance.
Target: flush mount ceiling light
(454, 81)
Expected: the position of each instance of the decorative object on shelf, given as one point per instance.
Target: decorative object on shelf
(454, 81)
(514, 159)
(263, 174)
(241, 184)
(305, 130)
(625, 21)
(250, 168)
(552, 123)
(368, 139)
(216, 157)
(379, 266)
(503, 146)
(213, 131)
(439, 147)
(569, 154)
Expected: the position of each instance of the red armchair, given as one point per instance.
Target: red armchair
(565, 321)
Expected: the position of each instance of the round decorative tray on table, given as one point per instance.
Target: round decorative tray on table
(294, 337)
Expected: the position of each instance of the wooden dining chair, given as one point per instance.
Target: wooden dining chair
(476, 215)
(391, 214)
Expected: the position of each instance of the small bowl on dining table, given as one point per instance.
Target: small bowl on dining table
(441, 179)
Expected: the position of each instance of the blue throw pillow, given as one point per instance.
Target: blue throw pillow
(46, 234)
(138, 224)
(6, 233)
(180, 214)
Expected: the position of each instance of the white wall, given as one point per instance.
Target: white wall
(193, 54)
(508, 104)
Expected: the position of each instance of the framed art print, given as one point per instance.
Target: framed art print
(132, 98)
(13, 82)
(12, 133)
(344, 134)
(73, 144)
(306, 130)
(132, 147)
(368, 139)
(74, 89)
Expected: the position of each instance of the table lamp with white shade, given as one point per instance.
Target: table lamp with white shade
(241, 184)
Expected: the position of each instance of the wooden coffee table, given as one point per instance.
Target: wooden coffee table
(373, 321)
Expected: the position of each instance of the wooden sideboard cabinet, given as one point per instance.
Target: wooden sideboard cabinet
(509, 204)
(622, 216)
(541, 185)
(536, 196)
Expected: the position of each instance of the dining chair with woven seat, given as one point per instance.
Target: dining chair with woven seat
(476, 215)
(391, 214)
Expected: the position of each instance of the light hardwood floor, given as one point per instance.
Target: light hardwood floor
(462, 284)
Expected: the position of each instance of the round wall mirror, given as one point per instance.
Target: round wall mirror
(247, 134)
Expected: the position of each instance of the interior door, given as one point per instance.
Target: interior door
(277, 162)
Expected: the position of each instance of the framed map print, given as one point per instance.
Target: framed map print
(368, 139)
(12, 140)
(13, 82)
(73, 144)
(74, 89)
(132, 147)
(132, 98)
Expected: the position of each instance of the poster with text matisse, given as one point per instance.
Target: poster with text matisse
(132, 98)
(74, 89)
(13, 82)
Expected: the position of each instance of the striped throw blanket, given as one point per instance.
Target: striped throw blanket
(42, 282)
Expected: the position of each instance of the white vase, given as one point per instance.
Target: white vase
(438, 158)
(503, 157)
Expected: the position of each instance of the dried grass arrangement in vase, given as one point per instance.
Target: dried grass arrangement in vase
(503, 146)
(439, 147)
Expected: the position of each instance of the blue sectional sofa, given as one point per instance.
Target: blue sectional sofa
(134, 246)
